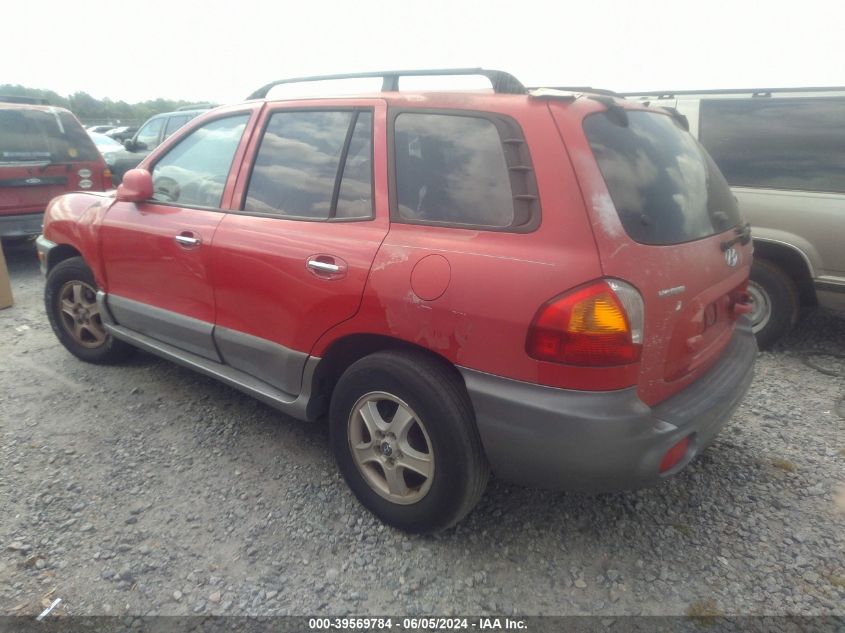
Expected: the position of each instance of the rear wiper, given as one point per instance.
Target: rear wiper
(743, 236)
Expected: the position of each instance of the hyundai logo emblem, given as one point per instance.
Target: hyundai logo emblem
(731, 257)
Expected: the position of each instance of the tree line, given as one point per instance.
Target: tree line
(91, 110)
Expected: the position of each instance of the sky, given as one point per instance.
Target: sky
(221, 51)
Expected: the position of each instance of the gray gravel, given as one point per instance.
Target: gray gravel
(147, 489)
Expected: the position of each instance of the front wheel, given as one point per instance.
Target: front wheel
(404, 438)
(70, 297)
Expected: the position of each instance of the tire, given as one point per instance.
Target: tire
(776, 302)
(441, 439)
(70, 300)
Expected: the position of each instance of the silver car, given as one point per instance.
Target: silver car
(783, 153)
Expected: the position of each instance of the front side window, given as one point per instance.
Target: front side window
(451, 169)
(777, 143)
(314, 165)
(664, 185)
(194, 172)
(148, 135)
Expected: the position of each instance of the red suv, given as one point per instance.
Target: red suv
(44, 151)
(546, 284)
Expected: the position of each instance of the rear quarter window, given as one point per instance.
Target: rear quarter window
(796, 144)
(456, 170)
(664, 185)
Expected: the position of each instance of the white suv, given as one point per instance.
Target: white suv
(783, 153)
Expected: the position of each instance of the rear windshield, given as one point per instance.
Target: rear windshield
(664, 185)
(43, 136)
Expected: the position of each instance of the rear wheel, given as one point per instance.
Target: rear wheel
(404, 437)
(70, 297)
(775, 302)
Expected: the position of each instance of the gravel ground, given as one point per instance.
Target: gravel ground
(147, 489)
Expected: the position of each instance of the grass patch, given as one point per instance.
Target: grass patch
(784, 464)
(683, 528)
(703, 609)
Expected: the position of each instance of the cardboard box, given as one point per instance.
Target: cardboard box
(6, 300)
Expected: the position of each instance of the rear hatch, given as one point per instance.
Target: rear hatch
(665, 221)
(44, 152)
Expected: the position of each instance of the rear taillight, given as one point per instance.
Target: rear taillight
(600, 324)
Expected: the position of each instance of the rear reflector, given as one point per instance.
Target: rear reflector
(591, 326)
(674, 455)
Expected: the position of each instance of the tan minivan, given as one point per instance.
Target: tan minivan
(783, 153)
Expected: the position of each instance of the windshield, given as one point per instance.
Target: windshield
(665, 186)
(43, 136)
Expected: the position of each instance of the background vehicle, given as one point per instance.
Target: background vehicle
(44, 152)
(122, 132)
(783, 152)
(107, 146)
(147, 138)
(99, 129)
(434, 273)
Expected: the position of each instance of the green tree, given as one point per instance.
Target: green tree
(90, 109)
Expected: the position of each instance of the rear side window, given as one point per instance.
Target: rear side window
(43, 135)
(664, 185)
(314, 165)
(194, 172)
(777, 143)
(452, 169)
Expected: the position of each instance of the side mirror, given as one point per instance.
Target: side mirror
(129, 144)
(137, 185)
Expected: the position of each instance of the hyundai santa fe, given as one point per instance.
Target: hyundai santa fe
(546, 285)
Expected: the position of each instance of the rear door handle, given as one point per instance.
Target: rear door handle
(187, 239)
(326, 266)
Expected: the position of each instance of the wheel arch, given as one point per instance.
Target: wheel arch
(60, 253)
(793, 262)
(345, 351)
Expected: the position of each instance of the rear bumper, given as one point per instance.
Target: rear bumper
(603, 441)
(24, 225)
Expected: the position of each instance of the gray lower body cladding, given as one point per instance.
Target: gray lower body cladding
(603, 441)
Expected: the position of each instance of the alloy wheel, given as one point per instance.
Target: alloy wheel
(391, 448)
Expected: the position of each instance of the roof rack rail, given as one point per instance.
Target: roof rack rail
(501, 81)
(196, 106)
(666, 94)
(597, 91)
(27, 100)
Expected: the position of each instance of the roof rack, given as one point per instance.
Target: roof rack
(196, 106)
(501, 81)
(27, 100)
(580, 89)
(666, 94)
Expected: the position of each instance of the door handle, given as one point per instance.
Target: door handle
(326, 266)
(186, 238)
(323, 267)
